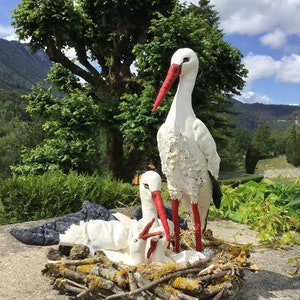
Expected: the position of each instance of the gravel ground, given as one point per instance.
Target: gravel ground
(21, 265)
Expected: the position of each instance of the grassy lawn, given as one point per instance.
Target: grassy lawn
(273, 163)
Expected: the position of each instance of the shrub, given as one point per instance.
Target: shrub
(269, 207)
(27, 198)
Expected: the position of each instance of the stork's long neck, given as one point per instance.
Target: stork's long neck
(181, 107)
(149, 211)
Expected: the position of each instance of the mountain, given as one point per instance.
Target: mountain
(279, 117)
(19, 69)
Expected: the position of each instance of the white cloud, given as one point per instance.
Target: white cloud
(260, 66)
(7, 33)
(5, 30)
(274, 39)
(257, 17)
(276, 21)
(289, 70)
(264, 66)
(253, 97)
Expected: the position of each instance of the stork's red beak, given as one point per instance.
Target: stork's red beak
(157, 199)
(173, 73)
(152, 248)
(145, 232)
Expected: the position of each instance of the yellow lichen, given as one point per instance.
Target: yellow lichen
(188, 284)
(242, 258)
(62, 268)
(166, 268)
(227, 277)
(95, 281)
(121, 277)
(85, 268)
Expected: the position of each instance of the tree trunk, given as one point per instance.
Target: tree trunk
(114, 149)
(121, 166)
(252, 157)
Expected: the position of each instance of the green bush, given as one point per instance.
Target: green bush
(271, 208)
(27, 198)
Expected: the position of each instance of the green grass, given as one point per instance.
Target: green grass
(273, 163)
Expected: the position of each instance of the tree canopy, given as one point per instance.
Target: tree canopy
(121, 51)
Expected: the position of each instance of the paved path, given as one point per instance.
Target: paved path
(289, 173)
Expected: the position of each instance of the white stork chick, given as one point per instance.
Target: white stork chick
(152, 205)
(115, 235)
(135, 252)
(187, 150)
(98, 234)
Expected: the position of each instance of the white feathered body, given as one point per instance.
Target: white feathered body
(98, 234)
(187, 149)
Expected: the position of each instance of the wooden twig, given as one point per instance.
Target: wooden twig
(156, 289)
(85, 292)
(133, 285)
(70, 285)
(78, 262)
(118, 276)
(156, 282)
(215, 290)
(186, 297)
(220, 294)
(210, 277)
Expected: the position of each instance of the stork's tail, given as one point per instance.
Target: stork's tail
(217, 193)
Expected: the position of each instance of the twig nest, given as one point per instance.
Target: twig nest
(96, 277)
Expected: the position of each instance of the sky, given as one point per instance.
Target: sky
(267, 32)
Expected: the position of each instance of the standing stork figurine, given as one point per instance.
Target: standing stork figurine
(187, 150)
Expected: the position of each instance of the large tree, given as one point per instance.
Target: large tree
(102, 36)
(292, 146)
(263, 142)
(221, 74)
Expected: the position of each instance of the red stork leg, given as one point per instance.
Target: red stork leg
(175, 219)
(197, 223)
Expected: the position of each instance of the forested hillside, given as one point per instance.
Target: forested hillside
(19, 69)
(279, 117)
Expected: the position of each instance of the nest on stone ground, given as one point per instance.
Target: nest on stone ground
(96, 277)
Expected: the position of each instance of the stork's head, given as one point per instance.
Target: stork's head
(150, 194)
(138, 241)
(183, 61)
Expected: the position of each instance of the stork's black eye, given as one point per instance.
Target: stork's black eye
(146, 186)
(135, 240)
(186, 59)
